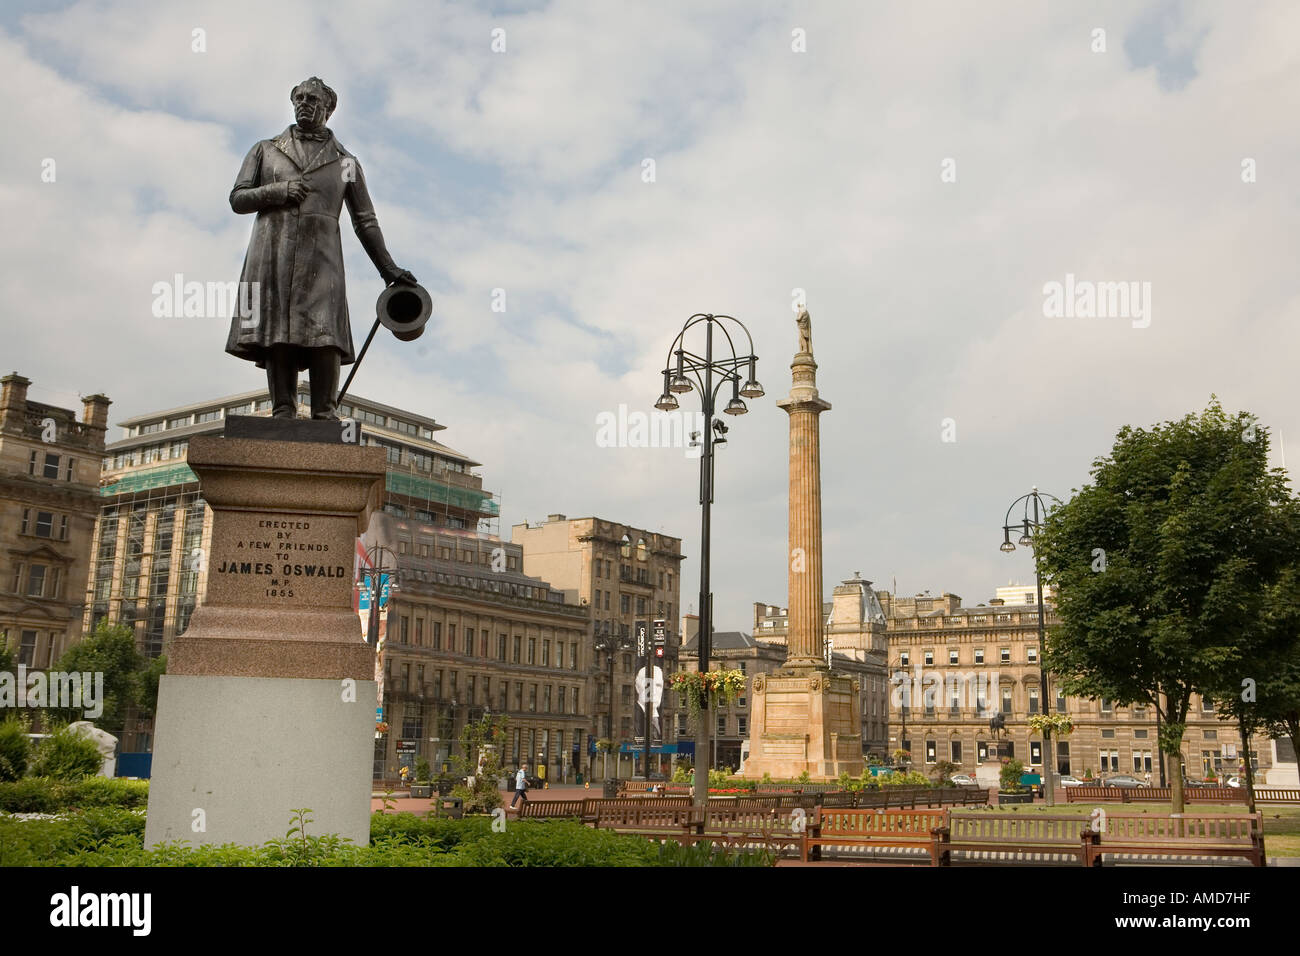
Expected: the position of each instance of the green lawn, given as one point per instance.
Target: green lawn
(1281, 824)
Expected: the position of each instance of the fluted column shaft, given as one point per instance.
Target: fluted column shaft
(805, 630)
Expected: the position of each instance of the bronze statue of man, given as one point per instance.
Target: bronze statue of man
(297, 183)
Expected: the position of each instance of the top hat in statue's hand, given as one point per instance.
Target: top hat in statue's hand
(404, 307)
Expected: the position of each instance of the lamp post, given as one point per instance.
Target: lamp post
(1029, 527)
(609, 644)
(377, 568)
(683, 372)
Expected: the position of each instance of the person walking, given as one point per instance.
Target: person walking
(521, 785)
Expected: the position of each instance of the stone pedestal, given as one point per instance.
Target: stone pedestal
(269, 699)
(804, 722)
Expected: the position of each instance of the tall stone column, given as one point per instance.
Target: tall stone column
(805, 717)
(805, 634)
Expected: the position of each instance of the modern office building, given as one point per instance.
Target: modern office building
(49, 474)
(626, 576)
(147, 560)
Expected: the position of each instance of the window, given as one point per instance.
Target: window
(979, 655)
(1106, 707)
(722, 725)
(546, 653)
(36, 581)
(1062, 756)
(1006, 701)
(44, 524)
(1060, 701)
(573, 656)
(929, 658)
(903, 659)
(953, 656)
(1004, 654)
(930, 751)
(532, 698)
(51, 466)
(437, 635)
(501, 647)
(956, 751)
(451, 637)
(1140, 734)
(1108, 759)
(406, 630)
(981, 751)
(1031, 654)
(625, 604)
(546, 699)
(563, 694)
(532, 650)
(1211, 735)
(419, 631)
(518, 643)
(1108, 734)
(202, 417)
(27, 648)
(1035, 753)
(1033, 700)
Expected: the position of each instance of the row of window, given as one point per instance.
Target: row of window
(452, 553)
(45, 524)
(625, 604)
(495, 585)
(474, 643)
(29, 642)
(52, 465)
(147, 455)
(954, 656)
(551, 698)
(37, 580)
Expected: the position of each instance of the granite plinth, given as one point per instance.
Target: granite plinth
(235, 756)
(804, 719)
(292, 429)
(279, 564)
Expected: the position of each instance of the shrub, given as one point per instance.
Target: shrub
(67, 840)
(42, 795)
(705, 854)
(943, 771)
(912, 778)
(66, 755)
(15, 749)
(1009, 776)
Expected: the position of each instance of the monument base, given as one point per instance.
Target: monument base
(805, 721)
(235, 756)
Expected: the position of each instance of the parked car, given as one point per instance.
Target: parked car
(1234, 781)
(964, 780)
(1068, 780)
(1124, 781)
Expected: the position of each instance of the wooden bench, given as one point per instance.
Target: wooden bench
(551, 809)
(1277, 795)
(1023, 834)
(1155, 794)
(656, 821)
(773, 829)
(893, 828)
(1178, 834)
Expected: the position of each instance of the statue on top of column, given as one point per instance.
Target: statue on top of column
(804, 321)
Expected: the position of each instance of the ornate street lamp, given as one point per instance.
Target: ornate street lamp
(684, 372)
(1029, 528)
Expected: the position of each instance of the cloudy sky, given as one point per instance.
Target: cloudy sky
(920, 170)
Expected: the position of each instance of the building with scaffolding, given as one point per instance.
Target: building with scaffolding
(147, 559)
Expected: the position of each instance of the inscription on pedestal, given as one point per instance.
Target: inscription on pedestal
(284, 560)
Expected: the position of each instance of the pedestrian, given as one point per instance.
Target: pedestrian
(521, 785)
(1148, 778)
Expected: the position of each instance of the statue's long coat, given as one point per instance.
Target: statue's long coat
(295, 255)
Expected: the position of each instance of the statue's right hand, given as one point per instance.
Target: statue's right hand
(298, 191)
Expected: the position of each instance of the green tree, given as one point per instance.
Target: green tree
(1165, 565)
(7, 661)
(110, 650)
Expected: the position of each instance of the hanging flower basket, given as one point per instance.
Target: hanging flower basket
(1059, 724)
(722, 686)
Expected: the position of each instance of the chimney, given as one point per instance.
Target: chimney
(690, 627)
(94, 414)
(555, 517)
(13, 402)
